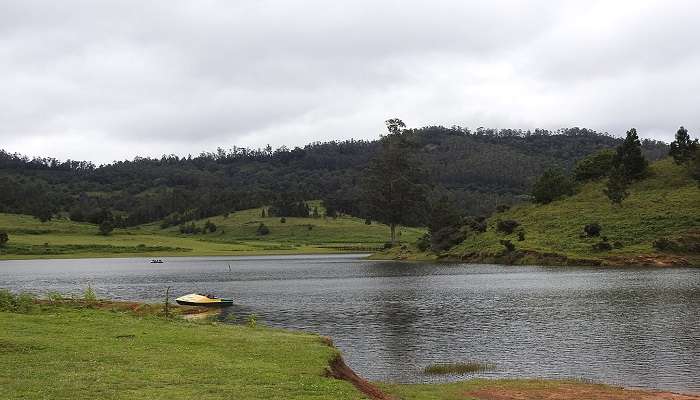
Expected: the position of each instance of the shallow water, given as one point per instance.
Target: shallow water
(636, 327)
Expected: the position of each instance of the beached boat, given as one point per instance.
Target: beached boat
(195, 299)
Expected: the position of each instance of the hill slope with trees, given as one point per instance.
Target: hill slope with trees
(480, 169)
(658, 223)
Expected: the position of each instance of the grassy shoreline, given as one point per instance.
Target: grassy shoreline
(114, 350)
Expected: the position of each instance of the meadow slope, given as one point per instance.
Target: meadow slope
(235, 235)
(666, 204)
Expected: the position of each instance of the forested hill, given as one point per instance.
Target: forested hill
(482, 168)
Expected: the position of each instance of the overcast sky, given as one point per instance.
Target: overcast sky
(106, 80)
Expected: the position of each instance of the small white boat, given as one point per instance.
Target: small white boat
(195, 299)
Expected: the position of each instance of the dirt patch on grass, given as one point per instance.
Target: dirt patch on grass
(573, 392)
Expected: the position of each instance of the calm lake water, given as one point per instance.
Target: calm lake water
(636, 327)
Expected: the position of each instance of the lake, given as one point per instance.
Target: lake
(635, 327)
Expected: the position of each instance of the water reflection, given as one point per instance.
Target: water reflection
(633, 327)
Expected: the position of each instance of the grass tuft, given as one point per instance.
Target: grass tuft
(458, 368)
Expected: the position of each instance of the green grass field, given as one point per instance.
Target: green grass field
(666, 204)
(64, 353)
(88, 350)
(235, 235)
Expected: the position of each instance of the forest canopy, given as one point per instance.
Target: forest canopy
(480, 169)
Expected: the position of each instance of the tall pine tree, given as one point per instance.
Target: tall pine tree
(629, 158)
(683, 148)
(393, 192)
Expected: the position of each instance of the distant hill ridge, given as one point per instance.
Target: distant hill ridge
(482, 168)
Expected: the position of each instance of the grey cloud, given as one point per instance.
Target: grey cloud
(114, 79)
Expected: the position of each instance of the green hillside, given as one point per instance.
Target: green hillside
(666, 204)
(236, 234)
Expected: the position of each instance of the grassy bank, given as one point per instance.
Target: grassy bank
(664, 205)
(93, 353)
(235, 235)
(95, 349)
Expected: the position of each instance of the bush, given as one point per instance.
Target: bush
(262, 230)
(592, 230)
(423, 242)
(209, 227)
(552, 185)
(502, 208)
(283, 220)
(388, 245)
(446, 238)
(21, 303)
(106, 227)
(507, 226)
(368, 221)
(510, 247)
(4, 238)
(89, 294)
(521, 235)
(603, 245)
(664, 244)
(476, 224)
(190, 228)
(252, 321)
(594, 166)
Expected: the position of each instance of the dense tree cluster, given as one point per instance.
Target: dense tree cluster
(479, 168)
(552, 185)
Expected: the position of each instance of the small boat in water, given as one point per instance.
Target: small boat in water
(156, 261)
(195, 299)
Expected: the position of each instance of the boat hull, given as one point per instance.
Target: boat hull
(222, 303)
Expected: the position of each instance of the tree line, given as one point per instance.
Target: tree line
(476, 169)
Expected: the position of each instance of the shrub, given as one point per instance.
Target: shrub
(283, 220)
(388, 245)
(476, 224)
(89, 294)
(252, 321)
(54, 296)
(521, 235)
(664, 244)
(507, 226)
(552, 185)
(508, 245)
(4, 238)
(603, 245)
(594, 166)
(502, 208)
(209, 227)
(446, 238)
(190, 228)
(423, 242)
(368, 221)
(592, 230)
(106, 227)
(262, 230)
(21, 303)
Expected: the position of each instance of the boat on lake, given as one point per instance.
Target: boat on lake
(195, 299)
(156, 261)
